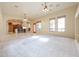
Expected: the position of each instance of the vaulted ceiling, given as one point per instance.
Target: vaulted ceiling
(32, 9)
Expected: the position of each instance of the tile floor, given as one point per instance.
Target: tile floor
(29, 45)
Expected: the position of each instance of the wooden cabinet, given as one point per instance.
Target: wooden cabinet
(14, 24)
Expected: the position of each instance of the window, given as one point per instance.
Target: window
(57, 24)
(52, 25)
(61, 24)
(38, 26)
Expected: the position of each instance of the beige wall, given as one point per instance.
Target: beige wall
(77, 29)
(70, 22)
(1, 23)
(77, 24)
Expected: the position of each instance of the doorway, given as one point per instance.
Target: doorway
(13, 25)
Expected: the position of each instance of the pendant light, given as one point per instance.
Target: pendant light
(45, 9)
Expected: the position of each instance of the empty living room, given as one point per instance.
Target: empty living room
(39, 29)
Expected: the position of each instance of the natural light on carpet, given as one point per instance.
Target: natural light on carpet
(44, 39)
(35, 37)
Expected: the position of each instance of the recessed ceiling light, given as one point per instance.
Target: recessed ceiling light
(16, 6)
(57, 5)
(42, 4)
(51, 5)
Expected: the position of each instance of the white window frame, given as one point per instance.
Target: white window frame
(61, 29)
(52, 29)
